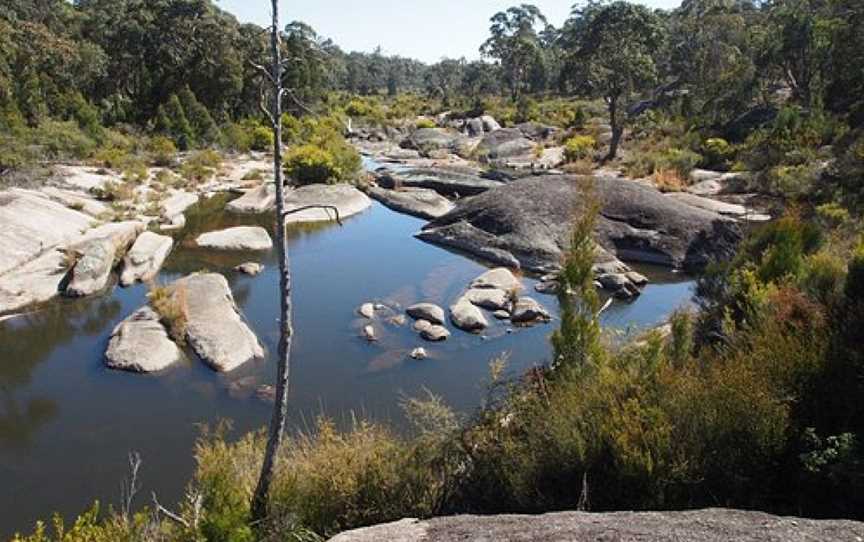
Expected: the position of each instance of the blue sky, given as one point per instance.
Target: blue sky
(423, 29)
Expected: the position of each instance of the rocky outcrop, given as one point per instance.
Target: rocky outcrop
(447, 182)
(140, 344)
(526, 224)
(240, 238)
(720, 207)
(214, 326)
(504, 143)
(145, 258)
(427, 140)
(174, 207)
(37, 281)
(255, 201)
(344, 197)
(419, 202)
(714, 525)
(97, 254)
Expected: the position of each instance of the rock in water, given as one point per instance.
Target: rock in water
(256, 201)
(140, 344)
(252, 269)
(367, 310)
(369, 334)
(427, 311)
(96, 255)
(215, 328)
(492, 299)
(145, 258)
(435, 333)
(500, 279)
(422, 325)
(419, 354)
(419, 202)
(239, 238)
(527, 224)
(467, 317)
(527, 310)
(345, 197)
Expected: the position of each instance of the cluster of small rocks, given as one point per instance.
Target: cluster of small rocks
(496, 291)
(618, 280)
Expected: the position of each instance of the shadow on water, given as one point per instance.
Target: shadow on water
(67, 422)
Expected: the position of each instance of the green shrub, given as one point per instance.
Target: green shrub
(578, 147)
(424, 123)
(163, 152)
(63, 140)
(309, 164)
(201, 166)
(717, 153)
(261, 139)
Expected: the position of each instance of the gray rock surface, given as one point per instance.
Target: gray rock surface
(419, 354)
(526, 224)
(492, 299)
(467, 317)
(97, 254)
(428, 312)
(239, 238)
(252, 269)
(447, 182)
(140, 344)
(435, 333)
(255, 201)
(713, 525)
(427, 140)
(369, 334)
(419, 202)
(145, 258)
(215, 328)
(499, 278)
(527, 310)
(367, 310)
(345, 197)
(720, 207)
(35, 282)
(504, 143)
(175, 205)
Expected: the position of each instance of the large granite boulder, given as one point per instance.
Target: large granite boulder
(344, 197)
(504, 143)
(420, 202)
(527, 224)
(714, 525)
(445, 181)
(214, 326)
(427, 140)
(145, 258)
(141, 344)
(97, 254)
(239, 238)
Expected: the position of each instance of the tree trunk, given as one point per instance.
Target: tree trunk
(617, 129)
(260, 499)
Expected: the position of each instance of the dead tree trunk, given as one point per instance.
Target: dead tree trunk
(260, 499)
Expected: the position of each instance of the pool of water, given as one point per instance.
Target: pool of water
(67, 422)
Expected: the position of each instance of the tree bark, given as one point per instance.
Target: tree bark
(617, 129)
(260, 500)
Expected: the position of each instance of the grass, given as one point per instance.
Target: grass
(171, 305)
(669, 180)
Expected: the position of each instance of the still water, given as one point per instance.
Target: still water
(67, 423)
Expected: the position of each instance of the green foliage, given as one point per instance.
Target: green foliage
(717, 154)
(309, 164)
(261, 139)
(162, 151)
(201, 166)
(425, 123)
(321, 154)
(578, 147)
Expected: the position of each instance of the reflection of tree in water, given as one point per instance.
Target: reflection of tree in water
(29, 340)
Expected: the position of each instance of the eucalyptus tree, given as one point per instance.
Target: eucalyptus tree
(515, 44)
(613, 57)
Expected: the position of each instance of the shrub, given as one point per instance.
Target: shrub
(201, 166)
(424, 123)
(261, 139)
(669, 181)
(171, 306)
(63, 140)
(309, 164)
(162, 151)
(717, 153)
(579, 147)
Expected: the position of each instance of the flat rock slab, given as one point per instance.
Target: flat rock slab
(714, 525)
(345, 197)
(239, 238)
(721, 207)
(97, 254)
(145, 258)
(445, 181)
(215, 328)
(505, 143)
(176, 204)
(256, 201)
(140, 344)
(499, 279)
(527, 224)
(420, 202)
(35, 282)
(30, 225)
(78, 201)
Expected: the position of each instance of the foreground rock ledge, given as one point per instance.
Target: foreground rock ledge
(714, 525)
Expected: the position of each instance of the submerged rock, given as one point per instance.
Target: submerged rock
(145, 258)
(252, 269)
(255, 201)
(239, 238)
(140, 344)
(214, 326)
(467, 317)
(96, 255)
(419, 202)
(527, 224)
(344, 197)
(427, 311)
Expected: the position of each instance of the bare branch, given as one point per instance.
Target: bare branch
(262, 105)
(168, 513)
(130, 487)
(262, 70)
(297, 101)
(308, 207)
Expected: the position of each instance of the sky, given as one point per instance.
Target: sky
(427, 30)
